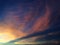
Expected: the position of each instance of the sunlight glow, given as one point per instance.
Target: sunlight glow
(6, 34)
(5, 37)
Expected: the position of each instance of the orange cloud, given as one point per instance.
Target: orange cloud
(42, 22)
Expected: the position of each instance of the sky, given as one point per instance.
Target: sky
(29, 20)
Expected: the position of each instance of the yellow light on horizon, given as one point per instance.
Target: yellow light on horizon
(6, 34)
(5, 37)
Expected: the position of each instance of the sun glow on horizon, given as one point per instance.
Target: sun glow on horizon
(5, 37)
(6, 34)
